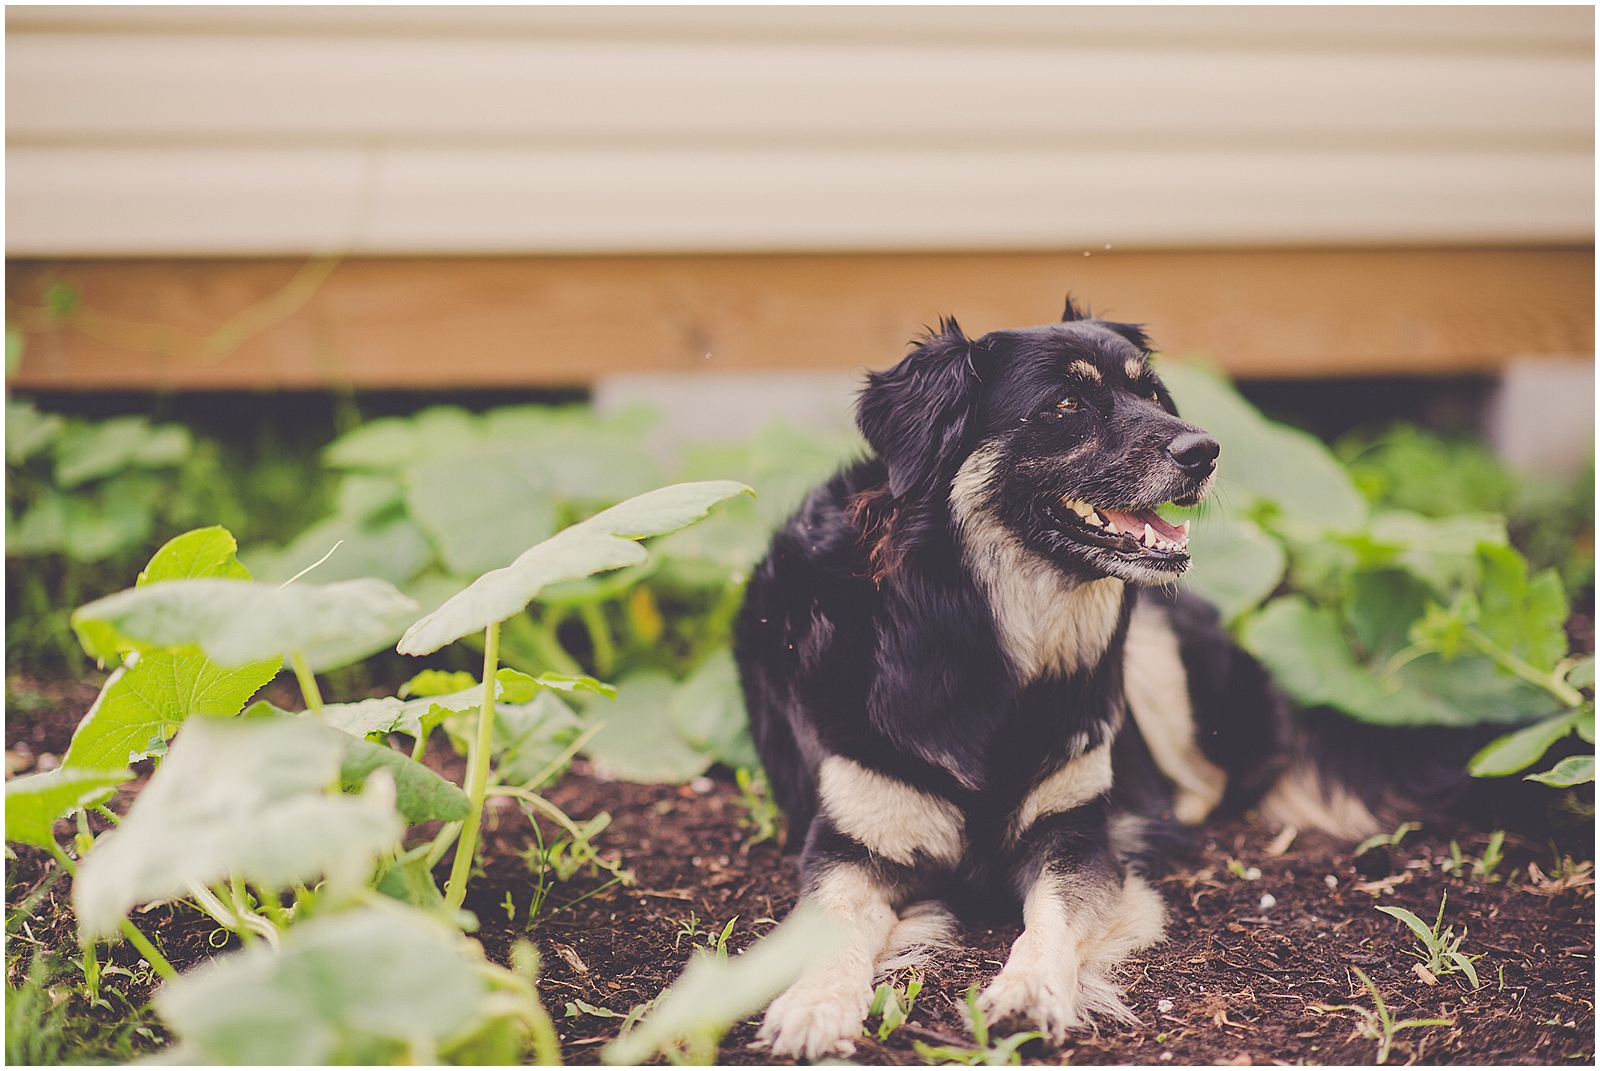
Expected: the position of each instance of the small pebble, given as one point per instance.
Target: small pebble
(1253, 874)
(1166, 1056)
(47, 762)
(702, 785)
(1330, 881)
(1268, 901)
(1163, 1006)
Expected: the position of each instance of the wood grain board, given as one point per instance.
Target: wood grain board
(436, 322)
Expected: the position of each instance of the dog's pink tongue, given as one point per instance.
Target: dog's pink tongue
(1135, 522)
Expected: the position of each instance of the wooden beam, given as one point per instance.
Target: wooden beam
(430, 323)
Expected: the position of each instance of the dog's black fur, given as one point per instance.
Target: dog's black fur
(940, 656)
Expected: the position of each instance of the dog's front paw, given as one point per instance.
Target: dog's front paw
(1045, 1000)
(814, 1019)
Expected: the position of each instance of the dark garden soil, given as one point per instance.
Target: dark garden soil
(1263, 936)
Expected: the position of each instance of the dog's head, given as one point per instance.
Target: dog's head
(1061, 434)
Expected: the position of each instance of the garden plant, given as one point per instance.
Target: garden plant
(481, 610)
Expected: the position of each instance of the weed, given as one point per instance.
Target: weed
(1388, 840)
(1438, 949)
(50, 1020)
(761, 813)
(1482, 867)
(690, 928)
(719, 945)
(1379, 1025)
(986, 1053)
(893, 1005)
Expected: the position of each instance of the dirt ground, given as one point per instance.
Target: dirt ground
(1257, 967)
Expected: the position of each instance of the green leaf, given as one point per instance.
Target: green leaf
(1265, 461)
(27, 430)
(529, 737)
(1572, 770)
(639, 741)
(1521, 749)
(34, 802)
(242, 797)
(431, 682)
(562, 682)
(236, 621)
(714, 993)
(1380, 606)
(1526, 617)
(481, 512)
(203, 552)
(1418, 927)
(420, 794)
(391, 443)
(1233, 563)
(146, 697)
(373, 985)
(1582, 674)
(364, 718)
(391, 549)
(604, 541)
(40, 530)
(708, 711)
(1443, 552)
(91, 451)
(16, 342)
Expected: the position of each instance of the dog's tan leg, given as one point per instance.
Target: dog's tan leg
(1077, 927)
(821, 1014)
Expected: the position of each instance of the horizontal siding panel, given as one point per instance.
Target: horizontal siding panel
(1543, 29)
(295, 89)
(109, 201)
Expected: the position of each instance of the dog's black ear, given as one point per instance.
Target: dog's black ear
(918, 415)
(1134, 333)
(1072, 312)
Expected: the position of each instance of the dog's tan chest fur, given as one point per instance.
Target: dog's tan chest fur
(1046, 621)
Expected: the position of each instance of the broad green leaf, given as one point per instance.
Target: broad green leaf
(1310, 658)
(1262, 460)
(588, 457)
(116, 517)
(708, 712)
(200, 553)
(639, 741)
(28, 431)
(1525, 616)
(713, 993)
(34, 802)
(373, 985)
(236, 621)
(391, 443)
(563, 682)
(364, 718)
(1572, 770)
(1521, 749)
(420, 794)
(391, 549)
(431, 682)
(514, 687)
(242, 797)
(1584, 723)
(604, 541)
(146, 697)
(1233, 563)
(365, 496)
(1582, 674)
(42, 529)
(481, 509)
(1441, 551)
(1380, 606)
(528, 737)
(91, 451)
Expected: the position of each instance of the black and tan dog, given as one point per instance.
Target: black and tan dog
(973, 687)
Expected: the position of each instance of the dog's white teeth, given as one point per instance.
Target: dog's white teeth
(1082, 509)
(1093, 519)
(1111, 527)
(1149, 536)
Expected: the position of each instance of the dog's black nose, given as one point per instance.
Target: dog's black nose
(1195, 452)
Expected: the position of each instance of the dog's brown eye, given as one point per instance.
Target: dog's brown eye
(1069, 403)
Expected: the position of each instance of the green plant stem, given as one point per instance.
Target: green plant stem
(308, 681)
(129, 930)
(548, 645)
(477, 775)
(1512, 664)
(605, 651)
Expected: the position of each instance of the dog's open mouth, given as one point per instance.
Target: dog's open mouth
(1129, 530)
